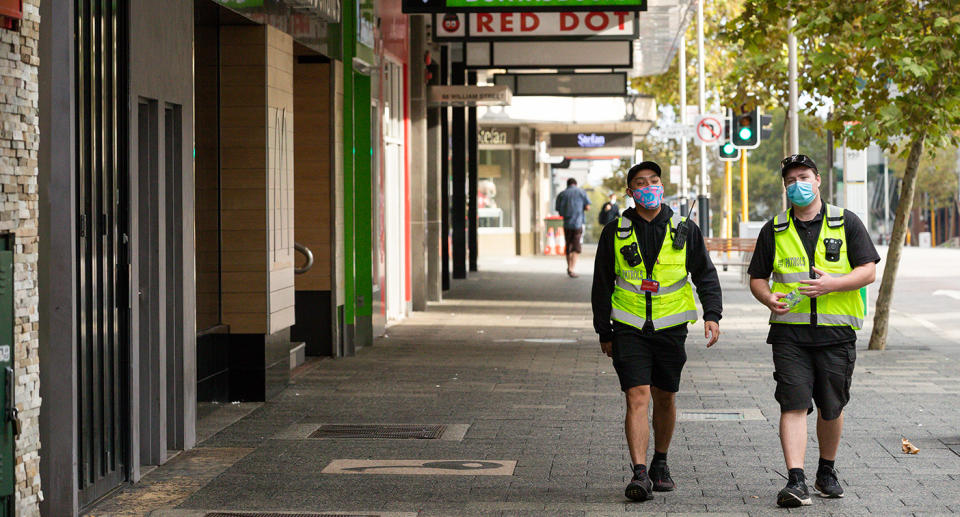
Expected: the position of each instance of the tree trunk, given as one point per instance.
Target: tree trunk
(881, 318)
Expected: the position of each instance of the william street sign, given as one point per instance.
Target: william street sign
(480, 6)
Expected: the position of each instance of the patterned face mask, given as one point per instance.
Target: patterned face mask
(648, 197)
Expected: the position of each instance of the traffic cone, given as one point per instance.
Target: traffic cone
(551, 242)
(561, 245)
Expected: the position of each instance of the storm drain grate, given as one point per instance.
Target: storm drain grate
(711, 415)
(262, 514)
(398, 431)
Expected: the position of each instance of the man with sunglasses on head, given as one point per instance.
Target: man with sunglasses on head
(642, 304)
(819, 256)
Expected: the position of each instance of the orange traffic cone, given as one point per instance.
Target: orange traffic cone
(561, 244)
(551, 242)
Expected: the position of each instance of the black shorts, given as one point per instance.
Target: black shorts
(573, 238)
(820, 373)
(649, 358)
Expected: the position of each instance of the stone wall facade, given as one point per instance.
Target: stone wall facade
(19, 146)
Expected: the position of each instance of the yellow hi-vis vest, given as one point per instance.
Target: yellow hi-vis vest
(673, 304)
(790, 267)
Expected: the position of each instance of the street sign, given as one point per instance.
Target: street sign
(619, 25)
(469, 96)
(674, 175)
(677, 131)
(709, 128)
(480, 6)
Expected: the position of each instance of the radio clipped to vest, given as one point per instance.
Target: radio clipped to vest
(683, 230)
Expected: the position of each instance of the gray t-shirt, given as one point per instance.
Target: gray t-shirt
(570, 204)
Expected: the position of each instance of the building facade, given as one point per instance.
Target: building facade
(20, 490)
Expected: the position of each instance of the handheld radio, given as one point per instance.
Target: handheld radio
(683, 230)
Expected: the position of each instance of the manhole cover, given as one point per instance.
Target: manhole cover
(711, 415)
(396, 431)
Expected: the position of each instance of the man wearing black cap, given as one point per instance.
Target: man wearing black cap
(642, 304)
(819, 256)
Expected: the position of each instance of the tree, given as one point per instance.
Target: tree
(936, 178)
(889, 68)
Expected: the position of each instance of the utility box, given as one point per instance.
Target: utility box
(9, 420)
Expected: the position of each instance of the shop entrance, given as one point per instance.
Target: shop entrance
(103, 253)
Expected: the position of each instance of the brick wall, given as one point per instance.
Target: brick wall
(19, 144)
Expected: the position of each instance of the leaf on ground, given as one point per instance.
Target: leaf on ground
(908, 447)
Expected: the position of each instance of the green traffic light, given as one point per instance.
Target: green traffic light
(745, 133)
(728, 148)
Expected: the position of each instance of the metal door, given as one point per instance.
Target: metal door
(102, 238)
(8, 408)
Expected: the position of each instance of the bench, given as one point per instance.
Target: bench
(735, 244)
(731, 252)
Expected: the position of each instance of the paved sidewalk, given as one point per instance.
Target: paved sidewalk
(511, 355)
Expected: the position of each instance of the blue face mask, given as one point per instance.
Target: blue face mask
(801, 193)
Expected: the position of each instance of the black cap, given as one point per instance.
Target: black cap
(797, 160)
(642, 166)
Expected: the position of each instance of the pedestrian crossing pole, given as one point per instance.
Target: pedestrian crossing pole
(728, 199)
(744, 202)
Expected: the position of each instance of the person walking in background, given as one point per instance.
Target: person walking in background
(610, 211)
(642, 303)
(571, 204)
(819, 256)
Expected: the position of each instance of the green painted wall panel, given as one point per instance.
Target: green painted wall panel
(363, 200)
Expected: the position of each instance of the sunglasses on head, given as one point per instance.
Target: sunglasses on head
(798, 159)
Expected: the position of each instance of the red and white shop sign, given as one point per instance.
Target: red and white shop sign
(610, 25)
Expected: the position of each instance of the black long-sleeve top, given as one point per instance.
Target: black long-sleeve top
(650, 237)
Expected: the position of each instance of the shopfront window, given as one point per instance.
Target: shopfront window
(495, 188)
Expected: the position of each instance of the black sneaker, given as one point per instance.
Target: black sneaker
(639, 488)
(660, 476)
(793, 495)
(827, 484)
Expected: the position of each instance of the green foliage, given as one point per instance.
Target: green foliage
(936, 180)
(888, 66)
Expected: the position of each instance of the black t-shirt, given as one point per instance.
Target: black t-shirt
(860, 250)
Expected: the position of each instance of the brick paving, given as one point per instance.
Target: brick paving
(511, 353)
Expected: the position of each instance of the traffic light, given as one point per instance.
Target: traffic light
(728, 153)
(746, 130)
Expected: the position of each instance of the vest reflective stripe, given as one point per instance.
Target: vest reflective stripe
(840, 319)
(659, 323)
(789, 278)
(675, 319)
(634, 288)
(791, 317)
(673, 304)
(790, 268)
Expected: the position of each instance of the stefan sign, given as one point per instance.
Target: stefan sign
(615, 25)
(479, 6)
(591, 140)
(470, 95)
